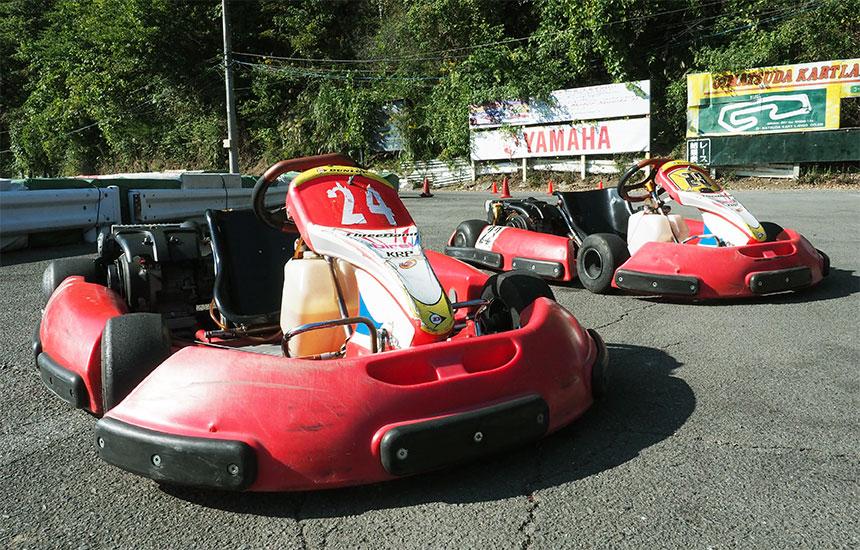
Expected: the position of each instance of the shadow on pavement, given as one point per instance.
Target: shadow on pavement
(31, 255)
(644, 405)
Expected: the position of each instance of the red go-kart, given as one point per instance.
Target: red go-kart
(601, 238)
(313, 345)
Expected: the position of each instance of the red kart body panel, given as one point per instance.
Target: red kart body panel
(466, 281)
(72, 326)
(513, 243)
(318, 424)
(329, 201)
(728, 253)
(725, 272)
(313, 424)
(721, 272)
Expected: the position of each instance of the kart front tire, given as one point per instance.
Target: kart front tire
(598, 258)
(771, 230)
(59, 270)
(825, 263)
(132, 346)
(509, 295)
(467, 233)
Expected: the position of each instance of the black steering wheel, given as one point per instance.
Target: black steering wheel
(624, 186)
(276, 218)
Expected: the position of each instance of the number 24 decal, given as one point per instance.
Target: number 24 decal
(375, 205)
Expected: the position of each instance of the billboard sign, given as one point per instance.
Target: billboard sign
(560, 140)
(788, 98)
(575, 104)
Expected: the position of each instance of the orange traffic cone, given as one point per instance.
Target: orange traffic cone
(495, 188)
(600, 185)
(549, 188)
(506, 193)
(426, 192)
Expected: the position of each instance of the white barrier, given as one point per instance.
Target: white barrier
(438, 173)
(162, 205)
(24, 212)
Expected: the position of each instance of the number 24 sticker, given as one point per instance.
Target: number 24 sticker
(375, 205)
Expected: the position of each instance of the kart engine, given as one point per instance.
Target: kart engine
(159, 268)
(530, 214)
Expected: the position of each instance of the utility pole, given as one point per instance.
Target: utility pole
(231, 144)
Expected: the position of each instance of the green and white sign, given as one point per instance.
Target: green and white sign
(764, 112)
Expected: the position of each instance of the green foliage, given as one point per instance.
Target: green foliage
(98, 85)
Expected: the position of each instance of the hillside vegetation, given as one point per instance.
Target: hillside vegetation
(89, 86)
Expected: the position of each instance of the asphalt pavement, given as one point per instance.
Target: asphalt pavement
(727, 425)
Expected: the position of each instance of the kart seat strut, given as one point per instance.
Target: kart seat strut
(249, 266)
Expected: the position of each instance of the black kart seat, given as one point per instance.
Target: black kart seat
(597, 210)
(249, 266)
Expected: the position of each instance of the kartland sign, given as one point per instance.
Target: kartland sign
(578, 121)
(788, 98)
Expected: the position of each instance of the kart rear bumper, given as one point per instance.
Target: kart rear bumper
(672, 269)
(249, 421)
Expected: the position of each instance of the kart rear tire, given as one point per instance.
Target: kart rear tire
(467, 233)
(771, 230)
(598, 258)
(132, 346)
(59, 270)
(509, 295)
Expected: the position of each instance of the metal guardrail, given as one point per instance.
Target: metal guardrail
(162, 205)
(24, 212)
(438, 173)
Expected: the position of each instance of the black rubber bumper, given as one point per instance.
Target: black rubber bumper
(653, 283)
(67, 385)
(485, 258)
(182, 460)
(433, 444)
(781, 280)
(543, 268)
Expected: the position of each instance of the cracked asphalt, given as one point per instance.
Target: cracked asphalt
(728, 424)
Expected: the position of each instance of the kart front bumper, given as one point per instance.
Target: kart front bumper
(697, 271)
(249, 421)
(406, 449)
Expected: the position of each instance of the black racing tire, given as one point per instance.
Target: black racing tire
(771, 230)
(36, 341)
(520, 221)
(598, 258)
(467, 233)
(132, 346)
(509, 295)
(600, 370)
(825, 268)
(59, 270)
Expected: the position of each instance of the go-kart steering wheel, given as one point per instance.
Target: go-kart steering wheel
(624, 187)
(277, 218)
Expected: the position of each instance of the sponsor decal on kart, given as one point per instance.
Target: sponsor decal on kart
(400, 251)
(488, 236)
